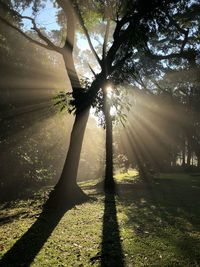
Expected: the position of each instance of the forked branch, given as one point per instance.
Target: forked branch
(85, 30)
(47, 43)
(106, 39)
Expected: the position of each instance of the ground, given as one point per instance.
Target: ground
(155, 224)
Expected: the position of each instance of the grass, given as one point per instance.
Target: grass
(155, 224)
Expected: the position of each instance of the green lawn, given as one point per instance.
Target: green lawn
(155, 224)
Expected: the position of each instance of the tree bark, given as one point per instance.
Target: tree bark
(183, 154)
(67, 192)
(198, 159)
(189, 153)
(70, 169)
(109, 183)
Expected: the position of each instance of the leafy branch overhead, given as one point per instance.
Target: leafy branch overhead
(68, 100)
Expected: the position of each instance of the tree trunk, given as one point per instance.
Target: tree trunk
(109, 183)
(183, 155)
(189, 154)
(192, 158)
(70, 168)
(198, 159)
(198, 162)
(66, 190)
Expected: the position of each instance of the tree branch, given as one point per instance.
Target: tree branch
(139, 80)
(181, 54)
(80, 18)
(106, 39)
(24, 34)
(158, 85)
(120, 62)
(67, 52)
(49, 46)
(68, 10)
(91, 69)
(41, 35)
(181, 30)
(173, 22)
(184, 41)
(121, 35)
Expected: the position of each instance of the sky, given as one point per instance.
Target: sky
(47, 18)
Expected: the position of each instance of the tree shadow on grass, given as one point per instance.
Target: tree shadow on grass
(111, 248)
(165, 214)
(28, 246)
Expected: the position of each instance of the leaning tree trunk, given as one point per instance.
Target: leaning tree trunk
(66, 190)
(70, 169)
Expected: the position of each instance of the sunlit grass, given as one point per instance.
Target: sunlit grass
(131, 175)
(159, 224)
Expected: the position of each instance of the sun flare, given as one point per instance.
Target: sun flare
(109, 91)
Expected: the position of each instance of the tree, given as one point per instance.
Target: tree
(136, 24)
(172, 75)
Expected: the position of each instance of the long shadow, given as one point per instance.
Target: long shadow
(167, 209)
(28, 246)
(111, 248)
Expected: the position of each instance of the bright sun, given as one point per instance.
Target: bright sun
(109, 91)
(113, 111)
(110, 94)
